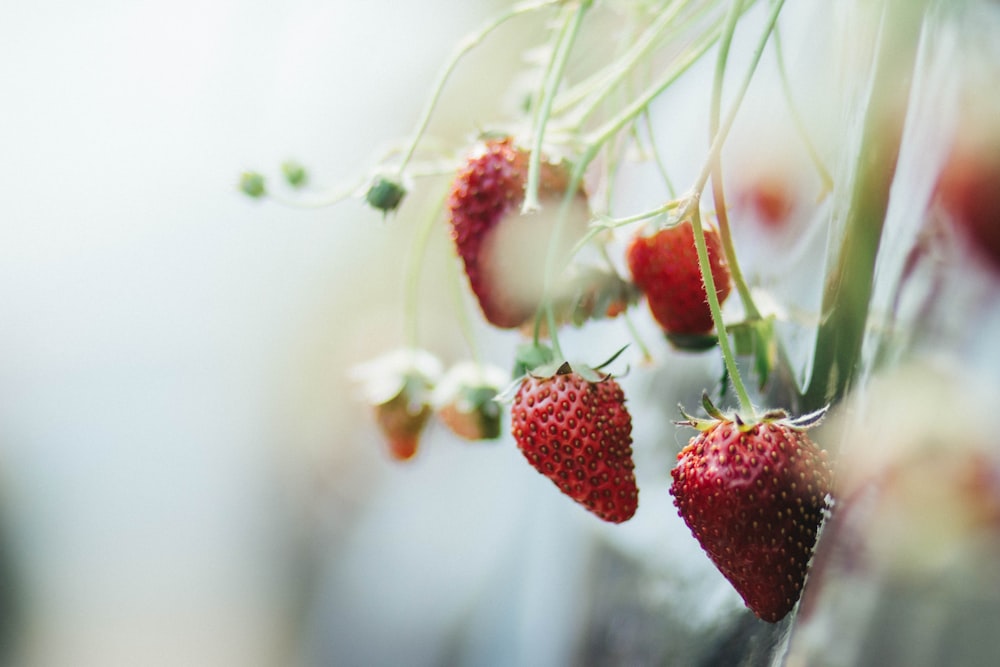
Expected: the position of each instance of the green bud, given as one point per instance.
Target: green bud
(295, 173)
(385, 195)
(252, 184)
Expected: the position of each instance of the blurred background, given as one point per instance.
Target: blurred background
(178, 439)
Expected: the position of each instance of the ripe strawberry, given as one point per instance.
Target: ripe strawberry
(503, 250)
(577, 432)
(665, 267)
(753, 496)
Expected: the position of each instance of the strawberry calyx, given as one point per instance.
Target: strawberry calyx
(592, 374)
(547, 366)
(746, 424)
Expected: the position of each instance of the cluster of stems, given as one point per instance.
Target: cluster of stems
(560, 108)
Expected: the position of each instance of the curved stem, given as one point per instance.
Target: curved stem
(660, 165)
(554, 74)
(727, 123)
(746, 406)
(412, 275)
(718, 194)
(466, 45)
(610, 128)
(462, 311)
(608, 79)
(553, 266)
(711, 164)
(800, 125)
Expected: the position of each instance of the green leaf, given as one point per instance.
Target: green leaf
(743, 338)
(529, 356)
(765, 350)
(693, 342)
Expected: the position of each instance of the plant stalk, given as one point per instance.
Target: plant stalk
(847, 295)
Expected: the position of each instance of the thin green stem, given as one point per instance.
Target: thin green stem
(553, 266)
(340, 194)
(557, 67)
(608, 79)
(615, 223)
(629, 324)
(660, 164)
(800, 125)
(412, 274)
(466, 45)
(462, 311)
(711, 163)
(610, 128)
(727, 123)
(746, 406)
(718, 194)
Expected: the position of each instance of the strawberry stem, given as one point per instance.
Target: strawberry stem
(553, 76)
(800, 125)
(712, 164)
(414, 264)
(614, 223)
(604, 133)
(660, 165)
(720, 137)
(466, 45)
(746, 406)
(718, 195)
(462, 310)
(608, 79)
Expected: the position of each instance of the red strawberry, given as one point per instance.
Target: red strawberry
(504, 251)
(578, 433)
(665, 267)
(754, 496)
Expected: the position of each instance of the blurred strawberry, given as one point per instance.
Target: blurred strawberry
(465, 400)
(768, 197)
(504, 251)
(398, 386)
(968, 190)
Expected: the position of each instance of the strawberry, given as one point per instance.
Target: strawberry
(503, 250)
(968, 190)
(398, 386)
(769, 199)
(573, 428)
(753, 496)
(465, 400)
(665, 267)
